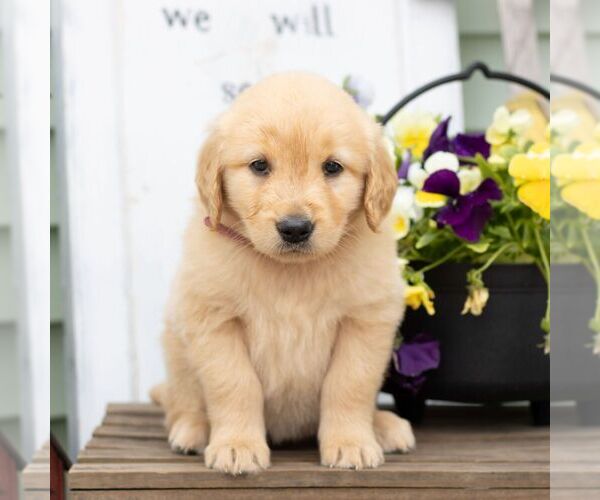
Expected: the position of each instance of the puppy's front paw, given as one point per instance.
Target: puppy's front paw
(392, 432)
(351, 453)
(237, 456)
(189, 433)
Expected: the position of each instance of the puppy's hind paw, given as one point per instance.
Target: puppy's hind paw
(392, 432)
(189, 433)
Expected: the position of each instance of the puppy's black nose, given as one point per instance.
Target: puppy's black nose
(294, 228)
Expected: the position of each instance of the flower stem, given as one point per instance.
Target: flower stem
(557, 235)
(596, 266)
(494, 256)
(438, 262)
(591, 252)
(545, 267)
(515, 233)
(543, 254)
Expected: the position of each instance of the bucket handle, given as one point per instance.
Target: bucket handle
(466, 74)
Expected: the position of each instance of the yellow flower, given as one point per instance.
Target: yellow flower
(476, 300)
(584, 197)
(430, 200)
(412, 130)
(531, 172)
(579, 173)
(417, 296)
(506, 125)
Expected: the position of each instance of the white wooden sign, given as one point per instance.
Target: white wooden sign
(27, 78)
(159, 71)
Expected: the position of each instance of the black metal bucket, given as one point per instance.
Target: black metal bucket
(492, 358)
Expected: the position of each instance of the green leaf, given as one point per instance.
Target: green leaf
(479, 247)
(425, 240)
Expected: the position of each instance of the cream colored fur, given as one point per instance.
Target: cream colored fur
(263, 342)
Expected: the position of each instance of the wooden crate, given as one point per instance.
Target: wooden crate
(36, 476)
(461, 453)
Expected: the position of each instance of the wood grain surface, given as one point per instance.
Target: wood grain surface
(462, 452)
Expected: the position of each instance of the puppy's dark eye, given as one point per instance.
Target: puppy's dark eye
(332, 168)
(259, 167)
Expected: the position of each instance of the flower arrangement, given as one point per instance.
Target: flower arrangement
(576, 190)
(476, 198)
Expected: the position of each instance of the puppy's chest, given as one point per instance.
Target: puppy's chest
(290, 341)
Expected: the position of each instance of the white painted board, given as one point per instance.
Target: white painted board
(27, 116)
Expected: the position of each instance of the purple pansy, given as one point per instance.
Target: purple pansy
(467, 145)
(405, 165)
(466, 214)
(413, 358)
(438, 141)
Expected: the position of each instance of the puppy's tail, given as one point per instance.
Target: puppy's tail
(157, 393)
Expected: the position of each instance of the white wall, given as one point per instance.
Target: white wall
(27, 115)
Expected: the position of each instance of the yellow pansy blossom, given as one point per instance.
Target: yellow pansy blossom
(412, 130)
(430, 200)
(531, 172)
(530, 102)
(579, 173)
(417, 296)
(505, 125)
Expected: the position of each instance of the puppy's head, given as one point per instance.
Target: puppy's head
(295, 160)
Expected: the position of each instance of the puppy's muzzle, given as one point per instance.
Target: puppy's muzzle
(295, 229)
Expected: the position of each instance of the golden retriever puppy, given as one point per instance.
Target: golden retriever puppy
(284, 309)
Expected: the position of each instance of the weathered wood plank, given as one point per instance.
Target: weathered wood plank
(454, 447)
(303, 475)
(430, 452)
(574, 493)
(576, 475)
(317, 493)
(494, 455)
(134, 420)
(126, 443)
(134, 409)
(157, 431)
(500, 416)
(36, 476)
(131, 432)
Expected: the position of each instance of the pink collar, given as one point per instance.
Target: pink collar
(227, 231)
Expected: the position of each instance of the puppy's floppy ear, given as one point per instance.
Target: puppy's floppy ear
(381, 182)
(209, 176)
